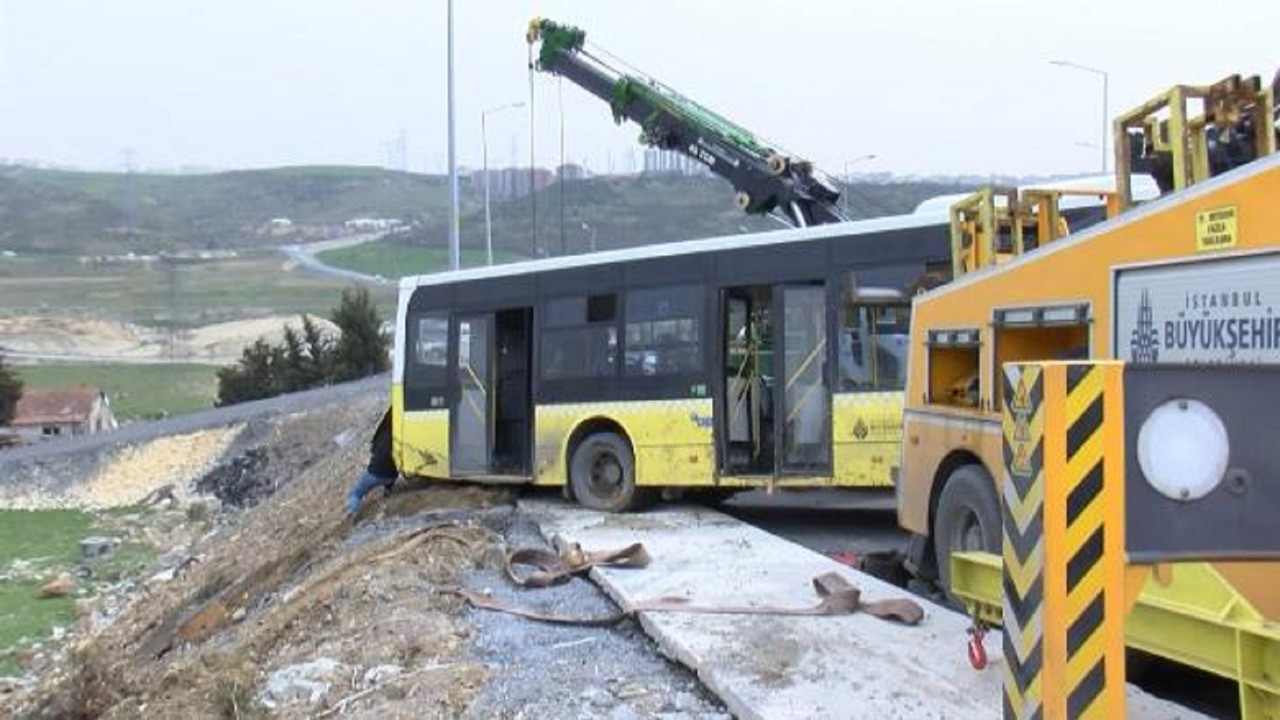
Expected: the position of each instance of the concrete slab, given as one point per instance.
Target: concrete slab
(770, 667)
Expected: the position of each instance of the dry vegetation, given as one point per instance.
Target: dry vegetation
(290, 581)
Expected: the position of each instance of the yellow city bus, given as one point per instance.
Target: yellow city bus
(775, 359)
(1192, 277)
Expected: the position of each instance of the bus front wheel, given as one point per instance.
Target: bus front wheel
(967, 518)
(602, 474)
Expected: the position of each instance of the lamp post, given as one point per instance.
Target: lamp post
(454, 227)
(848, 177)
(1106, 110)
(854, 161)
(484, 144)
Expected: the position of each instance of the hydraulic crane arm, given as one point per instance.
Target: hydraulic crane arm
(766, 179)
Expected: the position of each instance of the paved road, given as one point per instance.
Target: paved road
(826, 521)
(305, 256)
(26, 357)
(192, 422)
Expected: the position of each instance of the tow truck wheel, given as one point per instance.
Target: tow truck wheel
(602, 474)
(967, 518)
(742, 200)
(777, 164)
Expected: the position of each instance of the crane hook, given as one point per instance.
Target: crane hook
(977, 651)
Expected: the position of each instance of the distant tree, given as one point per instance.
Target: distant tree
(362, 349)
(10, 392)
(259, 374)
(306, 359)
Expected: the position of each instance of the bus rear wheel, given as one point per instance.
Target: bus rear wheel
(967, 518)
(602, 474)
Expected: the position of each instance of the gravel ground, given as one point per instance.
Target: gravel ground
(554, 671)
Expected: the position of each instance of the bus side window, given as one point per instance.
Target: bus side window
(580, 337)
(425, 357)
(663, 330)
(873, 347)
(431, 342)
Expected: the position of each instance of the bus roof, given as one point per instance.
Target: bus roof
(684, 247)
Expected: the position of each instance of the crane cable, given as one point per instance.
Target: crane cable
(533, 195)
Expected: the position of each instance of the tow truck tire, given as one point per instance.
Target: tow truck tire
(602, 474)
(967, 518)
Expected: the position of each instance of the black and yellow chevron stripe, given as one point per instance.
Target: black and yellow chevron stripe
(1023, 531)
(1064, 578)
(1086, 592)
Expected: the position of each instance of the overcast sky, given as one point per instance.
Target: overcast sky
(927, 87)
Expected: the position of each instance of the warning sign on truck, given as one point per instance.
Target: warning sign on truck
(1216, 229)
(1212, 311)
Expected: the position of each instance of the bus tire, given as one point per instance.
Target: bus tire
(602, 474)
(967, 518)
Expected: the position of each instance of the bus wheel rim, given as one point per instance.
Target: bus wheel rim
(606, 473)
(968, 533)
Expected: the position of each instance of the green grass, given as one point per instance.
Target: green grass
(48, 540)
(629, 211)
(137, 392)
(253, 285)
(91, 212)
(393, 260)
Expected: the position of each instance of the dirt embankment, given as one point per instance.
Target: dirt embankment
(293, 609)
(96, 339)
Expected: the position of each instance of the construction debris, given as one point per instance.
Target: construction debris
(97, 547)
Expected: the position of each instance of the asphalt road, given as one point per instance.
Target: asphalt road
(305, 257)
(192, 422)
(826, 521)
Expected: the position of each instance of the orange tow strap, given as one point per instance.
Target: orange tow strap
(552, 568)
(837, 596)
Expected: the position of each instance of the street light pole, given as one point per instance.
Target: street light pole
(848, 177)
(455, 241)
(1106, 101)
(854, 161)
(484, 143)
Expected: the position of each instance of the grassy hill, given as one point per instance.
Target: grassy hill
(625, 211)
(71, 213)
(54, 211)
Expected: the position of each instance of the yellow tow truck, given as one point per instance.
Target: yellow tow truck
(1190, 277)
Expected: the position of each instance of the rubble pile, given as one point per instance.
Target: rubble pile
(242, 481)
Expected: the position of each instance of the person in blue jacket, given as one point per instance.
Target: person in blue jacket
(381, 470)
